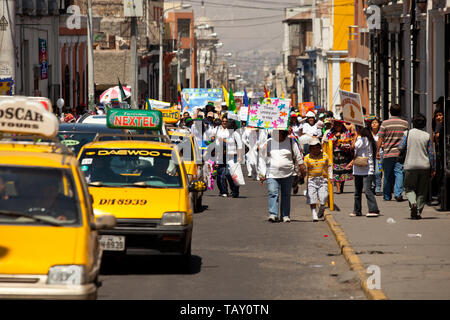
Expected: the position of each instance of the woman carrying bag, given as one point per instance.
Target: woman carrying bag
(283, 158)
(364, 171)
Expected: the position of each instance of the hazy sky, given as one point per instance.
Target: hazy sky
(243, 25)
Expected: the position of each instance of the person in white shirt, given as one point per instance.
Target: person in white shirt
(364, 171)
(231, 142)
(250, 139)
(309, 130)
(283, 158)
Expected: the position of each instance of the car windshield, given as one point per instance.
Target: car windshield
(131, 168)
(76, 140)
(33, 195)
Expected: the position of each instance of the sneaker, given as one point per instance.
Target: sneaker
(372, 214)
(355, 215)
(295, 190)
(399, 199)
(272, 218)
(304, 192)
(286, 219)
(224, 195)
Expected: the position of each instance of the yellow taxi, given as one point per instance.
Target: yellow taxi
(192, 158)
(49, 246)
(144, 185)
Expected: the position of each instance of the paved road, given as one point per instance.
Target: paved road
(238, 254)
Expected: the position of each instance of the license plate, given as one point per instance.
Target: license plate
(112, 243)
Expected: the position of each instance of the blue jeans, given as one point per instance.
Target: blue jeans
(273, 186)
(378, 175)
(393, 178)
(223, 175)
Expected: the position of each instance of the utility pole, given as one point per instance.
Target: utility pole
(7, 52)
(133, 65)
(160, 82)
(91, 101)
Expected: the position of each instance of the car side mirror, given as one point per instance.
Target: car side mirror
(106, 221)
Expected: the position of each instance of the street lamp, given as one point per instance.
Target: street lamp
(161, 20)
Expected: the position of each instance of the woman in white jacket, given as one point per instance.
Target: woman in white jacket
(250, 139)
(283, 158)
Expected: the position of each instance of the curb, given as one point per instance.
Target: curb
(352, 258)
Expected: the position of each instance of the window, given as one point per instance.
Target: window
(184, 28)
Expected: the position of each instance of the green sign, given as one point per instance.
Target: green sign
(134, 119)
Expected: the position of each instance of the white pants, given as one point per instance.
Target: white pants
(251, 161)
(317, 190)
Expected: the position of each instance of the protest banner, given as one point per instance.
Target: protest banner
(274, 115)
(198, 98)
(351, 107)
(155, 104)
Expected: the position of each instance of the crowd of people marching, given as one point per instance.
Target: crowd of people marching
(384, 158)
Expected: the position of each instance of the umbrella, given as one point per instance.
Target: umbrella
(114, 94)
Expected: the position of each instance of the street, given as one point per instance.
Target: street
(238, 254)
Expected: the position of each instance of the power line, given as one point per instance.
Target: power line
(237, 6)
(249, 25)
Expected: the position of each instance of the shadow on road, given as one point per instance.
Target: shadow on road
(147, 265)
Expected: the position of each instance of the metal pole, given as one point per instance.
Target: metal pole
(178, 61)
(134, 65)
(90, 52)
(160, 84)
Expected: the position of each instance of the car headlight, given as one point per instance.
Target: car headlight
(70, 275)
(174, 219)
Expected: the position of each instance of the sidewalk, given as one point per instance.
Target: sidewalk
(411, 267)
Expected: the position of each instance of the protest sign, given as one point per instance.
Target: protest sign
(305, 107)
(351, 107)
(198, 98)
(274, 115)
(243, 113)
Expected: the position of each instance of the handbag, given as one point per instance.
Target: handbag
(361, 162)
(402, 156)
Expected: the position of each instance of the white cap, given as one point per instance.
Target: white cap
(310, 114)
(314, 141)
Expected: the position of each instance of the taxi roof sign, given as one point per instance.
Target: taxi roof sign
(134, 119)
(27, 115)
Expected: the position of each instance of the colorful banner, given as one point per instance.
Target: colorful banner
(274, 115)
(198, 98)
(170, 115)
(305, 107)
(351, 107)
(155, 104)
(43, 58)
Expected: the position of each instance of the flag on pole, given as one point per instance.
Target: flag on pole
(226, 95)
(282, 94)
(266, 94)
(179, 95)
(232, 106)
(122, 92)
(245, 98)
(148, 105)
